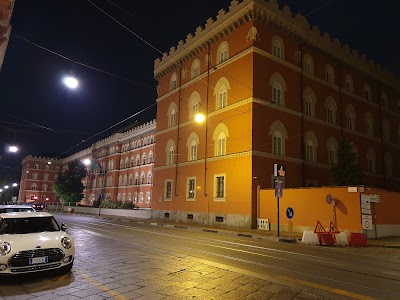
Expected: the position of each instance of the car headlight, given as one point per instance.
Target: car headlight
(66, 242)
(5, 248)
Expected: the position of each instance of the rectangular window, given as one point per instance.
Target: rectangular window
(277, 145)
(141, 197)
(310, 153)
(193, 152)
(219, 186)
(123, 197)
(134, 197)
(332, 157)
(308, 109)
(171, 157)
(330, 116)
(147, 197)
(191, 188)
(222, 99)
(221, 147)
(129, 197)
(276, 96)
(168, 189)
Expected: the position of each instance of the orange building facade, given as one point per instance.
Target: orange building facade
(272, 89)
(120, 169)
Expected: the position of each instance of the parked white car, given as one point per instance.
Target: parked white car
(33, 242)
(15, 208)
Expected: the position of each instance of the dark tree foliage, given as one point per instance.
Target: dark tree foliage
(68, 185)
(5, 195)
(347, 171)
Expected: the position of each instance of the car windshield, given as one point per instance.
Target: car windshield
(15, 209)
(28, 225)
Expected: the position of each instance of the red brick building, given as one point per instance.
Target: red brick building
(121, 168)
(273, 89)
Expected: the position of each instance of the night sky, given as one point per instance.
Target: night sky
(44, 117)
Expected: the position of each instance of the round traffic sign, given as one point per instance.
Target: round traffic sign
(329, 198)
(289, 213)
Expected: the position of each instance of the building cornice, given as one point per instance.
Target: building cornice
(268, 12)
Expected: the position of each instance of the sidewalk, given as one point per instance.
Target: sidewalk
(385, 242)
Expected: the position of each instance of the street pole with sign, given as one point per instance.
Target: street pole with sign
(279, 172)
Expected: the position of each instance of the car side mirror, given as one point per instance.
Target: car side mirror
(63, 227)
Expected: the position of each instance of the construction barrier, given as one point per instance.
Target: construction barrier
(310, 238)
(341, 239)
(358, 239)
(326, 239)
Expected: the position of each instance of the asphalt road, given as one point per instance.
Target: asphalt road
(129, 260)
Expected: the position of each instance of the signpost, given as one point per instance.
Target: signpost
(279, 172)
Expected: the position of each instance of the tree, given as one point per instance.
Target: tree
(68, 185)
(346, 171)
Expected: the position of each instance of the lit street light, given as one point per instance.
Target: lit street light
(13, 149)
(71, 82)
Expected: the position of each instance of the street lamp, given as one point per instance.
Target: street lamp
(12, 192)
(199, 118)
(71, 82)
(13, 149)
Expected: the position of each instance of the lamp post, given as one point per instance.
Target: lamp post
(12, 191)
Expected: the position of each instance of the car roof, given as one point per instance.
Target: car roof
(31, 214)
(15, 206)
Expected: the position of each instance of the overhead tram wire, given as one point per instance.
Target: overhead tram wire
(82, 64)
(112, 126)
(183, 47)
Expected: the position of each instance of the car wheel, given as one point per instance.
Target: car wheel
(66, 269)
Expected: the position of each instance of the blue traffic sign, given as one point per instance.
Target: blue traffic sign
(289, 212)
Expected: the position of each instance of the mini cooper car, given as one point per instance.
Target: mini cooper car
(15, 208)
(33, 242)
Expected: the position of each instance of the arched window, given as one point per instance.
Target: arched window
(121, 163)
(173, 82)
(44, 187)
(149, 177)
(136, 179)
(220, 136)
(195, 71)
(350, 115)
(137, 160)
(36, 167)
(144, 158)
(371, 160)
(331, 109)
(120, 180)
(348, 83)
(367, 92)
(35, 176)
(152, 140)
(130, 179)
(171, 114)
(223, 52)
(278, 134)
(309, 102)
(329, 74)
(33, 186)
(194, 105)
(125, 179)
(332, 146)
(311, 144)
(221, 93)
(150, 157)
(278, 88)
(191, 144)
(132, 161)
(46, 176)
(170, 152)
(308, 64)
(369, 124)
(278, 49)
(142, 178)
(126, 163)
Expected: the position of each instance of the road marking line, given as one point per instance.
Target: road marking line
(102, 287)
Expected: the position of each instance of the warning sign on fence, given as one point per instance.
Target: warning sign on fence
(319, 228)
